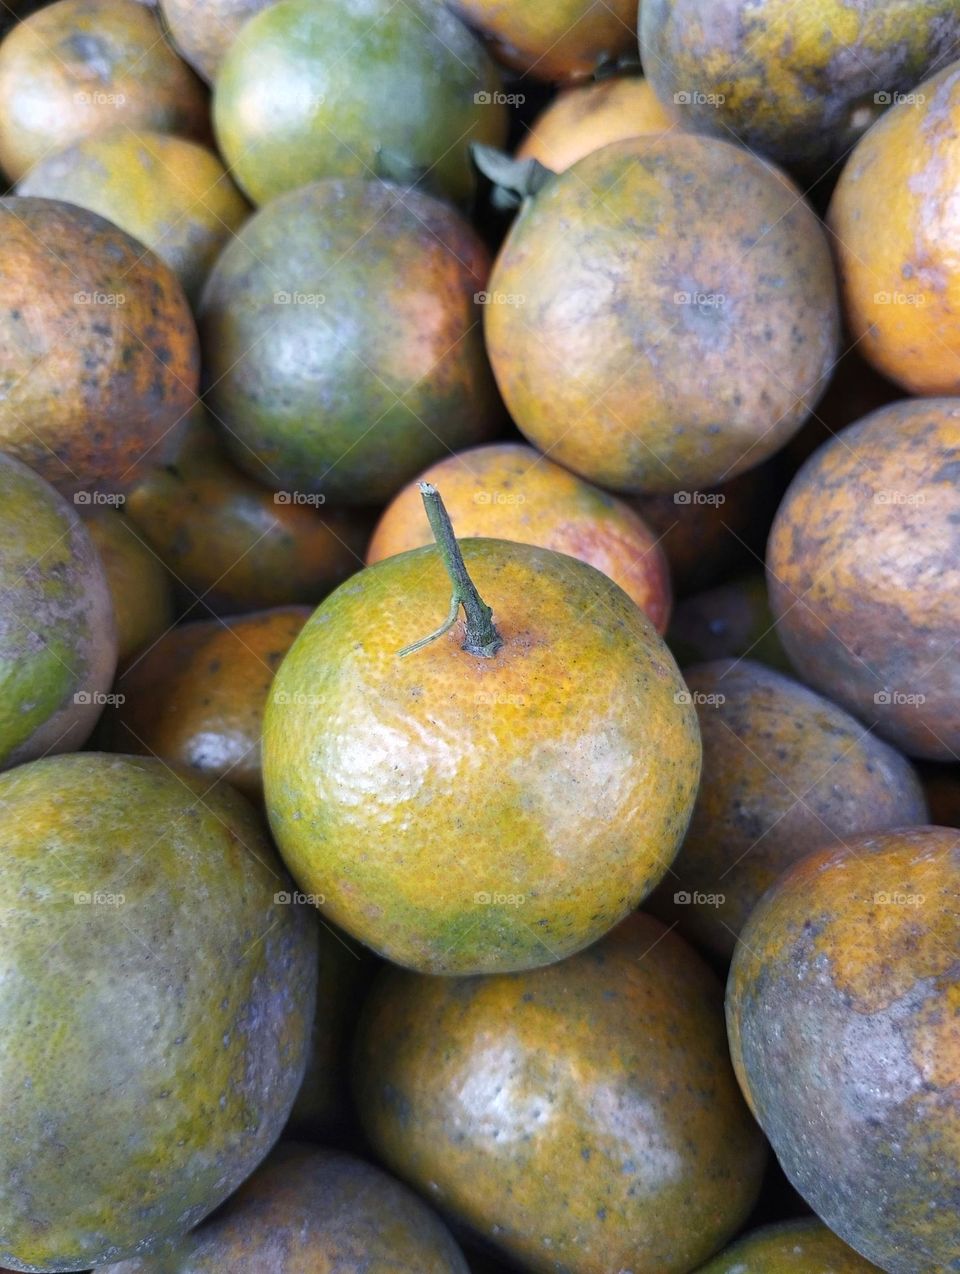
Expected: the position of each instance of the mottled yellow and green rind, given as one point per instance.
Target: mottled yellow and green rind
(805, 1246)
(99, 358)
(57, 635)
(785, 772)
(313, 1211)
(582, 1117)
(462, 814)
(798, 83)
(668, 314)
(842, 1005)
(151, 1048)
(356, 88)
(171, 194)
(894, 223)
(863, 566)
(82, 67)
(196, 697)
(342, 343)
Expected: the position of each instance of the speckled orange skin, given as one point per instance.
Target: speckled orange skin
(171, 194)
(863, 566)
(792, 1247)
(843, 1010)
(153, 1038)
(80, 67)
(582, 1118)
(139, 585)
(581, 119)
(203, 32)
(785, 772)
(564, 40)
(797, 83)
(897, 239)
(313, 1211)
(463, 814)
(196, 697)
(731, 620)
(228, 542)
(510, 492)
(717, 532)
(603, 359)
(91, 391)
(352, 395)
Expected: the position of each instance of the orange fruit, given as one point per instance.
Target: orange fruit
(897, 242)
(510, 492)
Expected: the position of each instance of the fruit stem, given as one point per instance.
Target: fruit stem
(481, 636)
(514, 180)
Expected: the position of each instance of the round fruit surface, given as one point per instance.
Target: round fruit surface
(580, 120)
(462, 813)
(196, 698)
(139, 585)
(232, 545)
(204, 31)
(842, 1006)
(310, 1211)
(98, 352)
(567, 39)
(341, 340)
(863, 565)
(785, 772)
(674, 314)
(58, 645)
(80, 67)
(156, 1006)
(356, 88)
(581, 1117)
(511, 492)
(797, 84)
(730, 620)
(897, 241)
(792, 1247)
(171, 194)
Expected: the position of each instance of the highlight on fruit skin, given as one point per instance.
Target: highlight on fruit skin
(424, 781)
(840, 1011)
(804, 1246)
